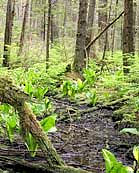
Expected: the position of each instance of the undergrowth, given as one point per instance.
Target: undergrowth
(98, 88)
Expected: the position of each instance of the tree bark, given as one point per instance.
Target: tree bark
(102, 20)
(114, 28)
(48, 33)
(80, 57)
(91, 13)
(8, 31)
(128, 35)
(22, 37)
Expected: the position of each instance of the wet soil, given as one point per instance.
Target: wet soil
(80, 140)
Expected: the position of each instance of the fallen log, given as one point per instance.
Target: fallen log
(21, 164)
(110, 105)
(13, 95)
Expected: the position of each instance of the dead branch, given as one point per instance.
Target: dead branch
(103, 31)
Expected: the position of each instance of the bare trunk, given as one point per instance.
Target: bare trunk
(102, 20)
(91, 13)
(52, 28)
(8, 31)
(114, 28)
(48, 33)
(80, 57)
(22, 37)
(128, 35)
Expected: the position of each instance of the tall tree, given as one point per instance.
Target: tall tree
(22, 37)
(48, 33)
(8, 31)
(91, 13)
(114, 28)
(80, 57)
(43, 29)
(128, 35)
(102, 20)
(138, 32)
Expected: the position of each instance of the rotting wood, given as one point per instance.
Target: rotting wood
(11, 94)
(39, 167)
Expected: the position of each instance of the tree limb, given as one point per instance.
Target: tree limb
(105, 29)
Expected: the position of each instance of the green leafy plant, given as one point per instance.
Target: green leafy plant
(48, 105)
(11, 124)
(37, 92)
(31, 144)
(92, 98)
(69, 89)
(48, 123)
(90, 75)
(134, 131)
(114, 166)
(42, 107)
(40, 92)
(29, 88)
(80, 85)
(10, 119)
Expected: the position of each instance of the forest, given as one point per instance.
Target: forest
(69, 86)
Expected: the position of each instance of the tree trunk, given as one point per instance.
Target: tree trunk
(48, 33)
(22, 37)
(102, 20)
(91, 13)
(52, 29)
(80, 57)
(8, 31)
(65, 17)
(138, 33)
(43, 21)
(12, 95)
(128, 35)
(114, 28)
(135, 22)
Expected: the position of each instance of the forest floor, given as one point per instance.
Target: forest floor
(79, 139)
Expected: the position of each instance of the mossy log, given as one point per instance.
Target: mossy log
(22, 165)
(112, 105)
(11, 94)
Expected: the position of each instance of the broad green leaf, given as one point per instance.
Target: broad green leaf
(11, 121)
(80, 85)
(10, 132)
(118, 168)
(48, 123)
(31, 144)
(136, 153)
(110, 160)
(28, 88)
(112, 165)
(133, 131)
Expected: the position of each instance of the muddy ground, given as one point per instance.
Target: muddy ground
(80, 140)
